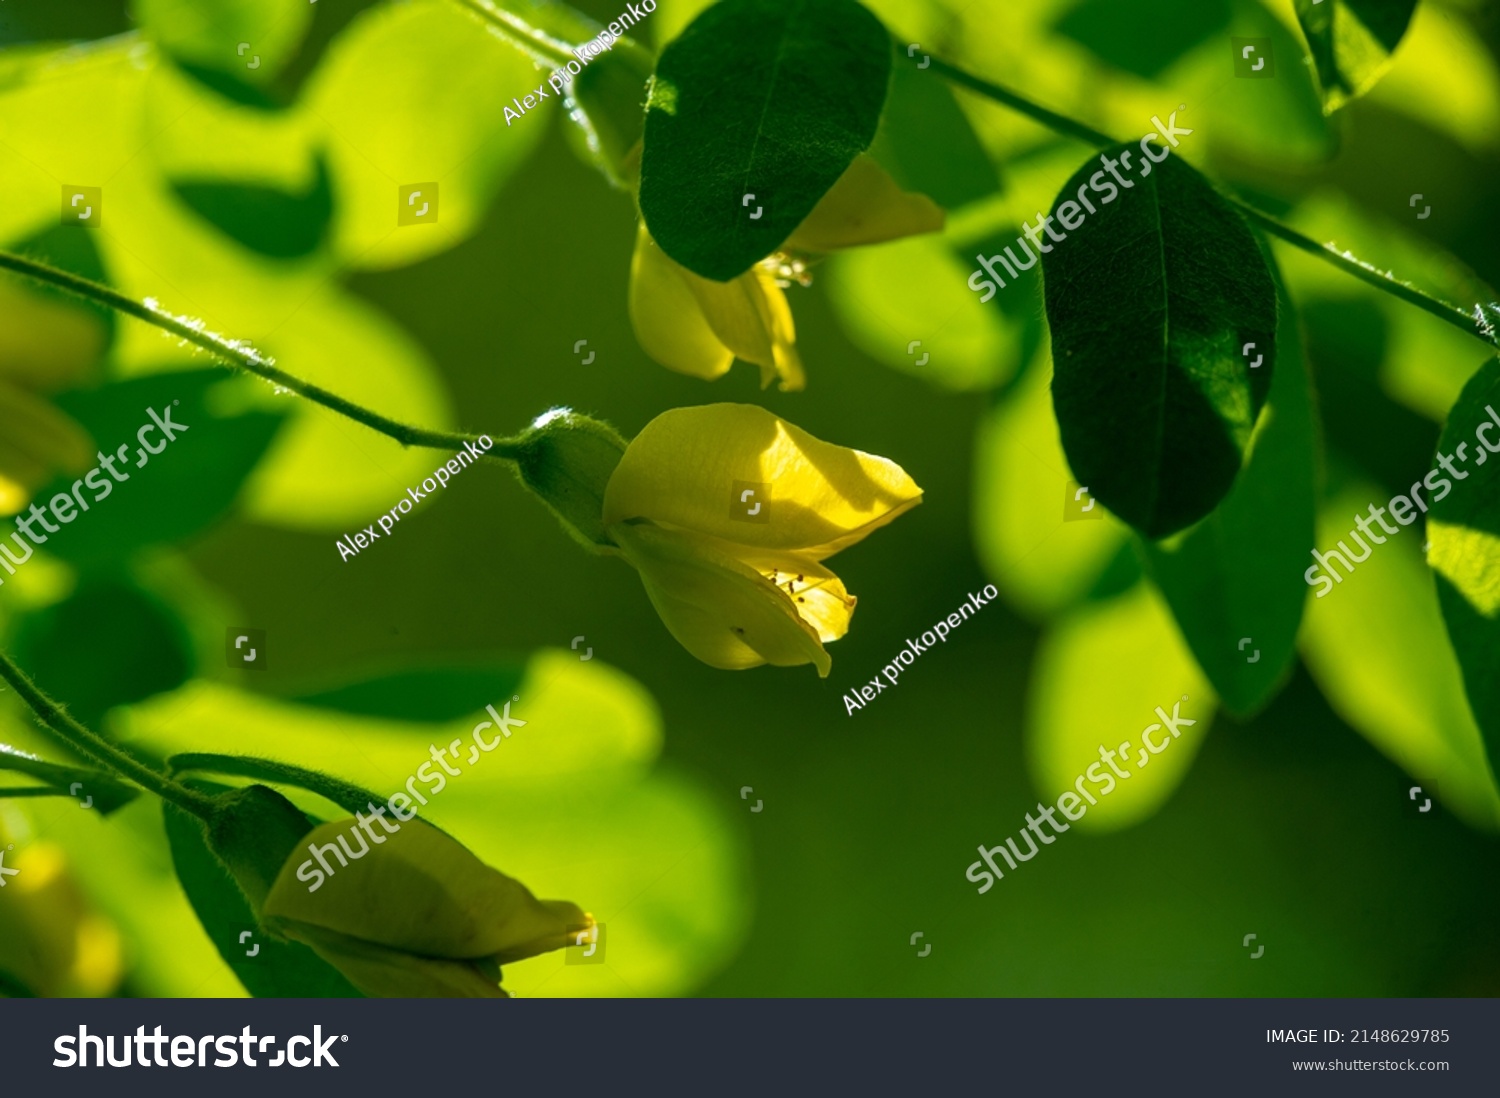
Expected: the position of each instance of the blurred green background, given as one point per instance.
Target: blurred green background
(1292, 825)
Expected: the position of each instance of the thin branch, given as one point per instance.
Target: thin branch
(97, 749)
(1476, 325)
(240, 353)
(538, 43)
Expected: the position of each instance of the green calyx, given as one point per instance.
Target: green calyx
(567, 460)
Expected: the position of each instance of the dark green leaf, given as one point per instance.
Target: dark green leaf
(232, 86)
(1234, 582)
(1464, 532)
(107, 793)
(107, 644)
(926, 142)
(63, 246)
(177, 492)
(1351, 42)
(349, 797)
(436, 694)
(272, 222)
(1152, 301)
(275, 969)
(771, 98)
(1143, 39)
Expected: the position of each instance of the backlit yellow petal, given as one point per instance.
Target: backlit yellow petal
(864, 207)
(817, 594)
(688, 467)
(722, 611)
(751, 317)
(668, 321)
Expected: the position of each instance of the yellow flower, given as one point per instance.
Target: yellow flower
(43, 346)
(697, 326)
(728, 513)
(51, 941)
(413, 914)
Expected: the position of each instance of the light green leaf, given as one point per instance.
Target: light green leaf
(1100, 675)
(894, 296)
(254, 39)
(1351, 42)
(1043, 548)
(1152, 301)
(413, 94)
(1376, 645)
(1234, 581)
(763, 98)
(1464, 529)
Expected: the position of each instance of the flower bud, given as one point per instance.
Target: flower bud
(567, 460)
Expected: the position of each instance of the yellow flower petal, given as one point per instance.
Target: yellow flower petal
(420, 891)
(723, 611)
(818, 596)
(865, 206)
(668, 321)
(688, 467)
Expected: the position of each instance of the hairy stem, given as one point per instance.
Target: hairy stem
(538, 43)
(241, 354)
(96, 748)
(1475, 325)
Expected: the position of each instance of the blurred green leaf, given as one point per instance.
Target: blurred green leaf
(413, 94)
(1351, 42)
(254, 39)
(1151, 301)
(1034, 540)
(107, 793)
(179, 491)
(109, 643)
(891, 296)
(273, 222)
(1237, 575)
(1100, 674)
(1464, 530)
(1376, 645)
(351, 798)
(422, 694)
(757, 97)
(927, 143)
(611, 96)
(1143, 39)
(75, 252)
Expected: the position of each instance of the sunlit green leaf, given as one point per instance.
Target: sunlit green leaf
(255, 39)
(906, 304)
(1043, 547)
(1152, 301)
(1351, 42)
(415, 94)
(1100, 675)
(1234, 581)
(1375, 642)
(757, 98)
(1464, 529)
